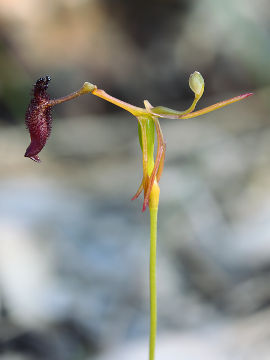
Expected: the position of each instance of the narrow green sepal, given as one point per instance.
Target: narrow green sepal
(140, 134)
(150, 132)
(162, 110)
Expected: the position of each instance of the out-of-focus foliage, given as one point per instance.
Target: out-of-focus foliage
(114, 41)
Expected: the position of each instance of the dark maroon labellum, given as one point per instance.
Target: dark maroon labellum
(38, 118)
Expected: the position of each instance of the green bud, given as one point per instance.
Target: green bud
(196, 83)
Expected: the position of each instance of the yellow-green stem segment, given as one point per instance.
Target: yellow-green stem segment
(153, 282)
(153, 209)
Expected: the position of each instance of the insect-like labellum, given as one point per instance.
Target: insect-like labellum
(38, 118)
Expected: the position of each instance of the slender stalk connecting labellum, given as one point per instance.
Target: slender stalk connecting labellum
(39, 121)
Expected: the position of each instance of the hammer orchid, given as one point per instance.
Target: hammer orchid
(38, 121)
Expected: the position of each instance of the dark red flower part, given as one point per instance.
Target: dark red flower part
(38, 118)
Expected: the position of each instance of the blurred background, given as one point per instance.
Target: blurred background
(73, 247)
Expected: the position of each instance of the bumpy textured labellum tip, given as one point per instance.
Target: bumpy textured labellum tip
(38, 118)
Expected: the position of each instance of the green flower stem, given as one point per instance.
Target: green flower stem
(153, 282)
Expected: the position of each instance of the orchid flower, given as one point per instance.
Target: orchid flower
(147, 124)
(39, 121)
